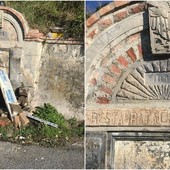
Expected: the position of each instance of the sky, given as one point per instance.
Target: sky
(91, 5)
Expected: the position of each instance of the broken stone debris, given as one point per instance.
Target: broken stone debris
(20, 118)
(24, 120)
(22, 96)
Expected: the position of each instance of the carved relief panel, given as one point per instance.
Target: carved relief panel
(159, 20)
(148, 81)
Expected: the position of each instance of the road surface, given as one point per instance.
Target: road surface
(15, 156)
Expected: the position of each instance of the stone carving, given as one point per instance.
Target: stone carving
(128, 117)
(159, 18)
(149, 81)
(157, 78)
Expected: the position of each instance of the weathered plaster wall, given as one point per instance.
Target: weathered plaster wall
(52, 73)
(61, 79)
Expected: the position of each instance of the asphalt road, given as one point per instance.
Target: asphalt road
(14, 156)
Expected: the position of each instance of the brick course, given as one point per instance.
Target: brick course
(120, 3)
(106, 9)
(109, 79)
(131, 54)
(102, 100)
(106, 90)
(93, 81)
(94, 18)
(92, 33)
(136, 9)
(105, 23)
(120, 15)
(123, 61)
(114, 69)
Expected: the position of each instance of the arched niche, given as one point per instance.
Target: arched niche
(14, 27)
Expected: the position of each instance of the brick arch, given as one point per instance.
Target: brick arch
(17, 20)
(115, 38)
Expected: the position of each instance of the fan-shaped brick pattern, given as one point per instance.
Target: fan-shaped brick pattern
(112, 67)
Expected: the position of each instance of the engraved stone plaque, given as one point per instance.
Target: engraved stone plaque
(159, 22)
(161, 78)
(128, 117)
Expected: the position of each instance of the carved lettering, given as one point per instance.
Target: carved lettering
(128, 117)
(161, 78)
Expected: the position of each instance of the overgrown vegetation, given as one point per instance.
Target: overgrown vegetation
(68, 131)
(46, 14)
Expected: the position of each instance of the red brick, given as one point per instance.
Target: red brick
(4, 121)
(95, 74)
(133, 38)
(106, 23)
(140, 50)
(93, 81)
(123, 61)
(34, 33)
(131, 54)
(137, 9)
(102, 100)
(115, 69)
(90, 21)
(120, 3)
(93, 33)
(104, 61)
(120, 15)
(108, 79)
(106, 90)
(106, 9)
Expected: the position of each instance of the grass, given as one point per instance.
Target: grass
(46, 14)
(68, 131)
